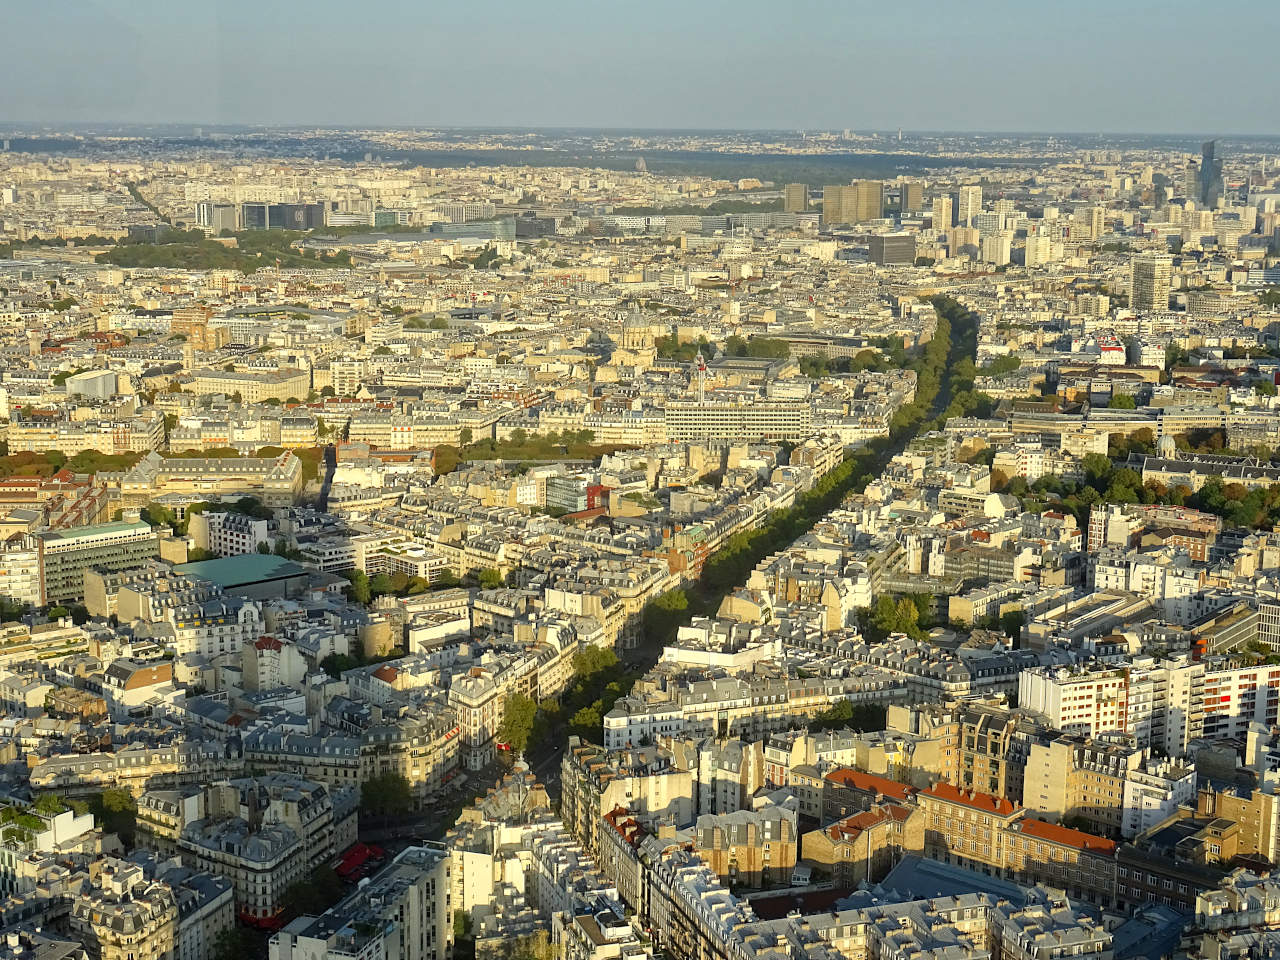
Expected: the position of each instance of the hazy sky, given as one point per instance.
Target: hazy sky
(1057, 65)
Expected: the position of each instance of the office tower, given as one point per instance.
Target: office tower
(837, 204)
(968, 205)
(868, 200)
(1191, 180)
(216, 216)
(893, 248)
(1211, 183)
(1151, 283)
(860, 201)
(942, 213)
(795, 198)
(912, 197)
(254, 216)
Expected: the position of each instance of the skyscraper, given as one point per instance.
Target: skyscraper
(942, 213)
(795, 198)
(1211, 183)
(868, 200)
(968, 204)
(837, 204)
(860, 201)
(912, 196)
(1191, 181)
(1151, 283)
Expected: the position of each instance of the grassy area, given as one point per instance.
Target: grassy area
(27, 464)
(253, 249)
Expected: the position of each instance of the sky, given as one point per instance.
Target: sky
(1105, 66)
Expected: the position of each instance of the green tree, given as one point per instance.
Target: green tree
(336, 664)
(49, 804)
(380, 585)
(1123, 401)
(518, 715)
(1011, 623)
(386, 795)
(360, 590)
(314, 895)
(489, 579)
(233, 943)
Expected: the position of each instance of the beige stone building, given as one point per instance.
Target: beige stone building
(120, 915)
(864, 847)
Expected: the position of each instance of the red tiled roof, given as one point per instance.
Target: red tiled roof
(268, 643)
(848, 777)
(853, 825)
(971, 798)
(1066, 836)
(386, 673)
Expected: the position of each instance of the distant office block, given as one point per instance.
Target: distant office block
(795, 198)
(1211, 181)
(893, 249)
(912, 197)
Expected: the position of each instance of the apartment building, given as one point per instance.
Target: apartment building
(692, 914)
(135, 434)
(1161, 703)
(1237, 696)
(229, 534)
(759, 420)
(978, 744)
(751, 848)
(266, 833)
(403, 913)
(865, 846)
(1081, 781)
(137, 767)
(124, 916)
(644, 780)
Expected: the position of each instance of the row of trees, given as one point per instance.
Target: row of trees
(598, 681)
(953, 343)
(362, 588)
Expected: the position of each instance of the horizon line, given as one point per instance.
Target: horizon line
(56, 127)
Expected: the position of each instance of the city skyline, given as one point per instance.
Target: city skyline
(707, 67)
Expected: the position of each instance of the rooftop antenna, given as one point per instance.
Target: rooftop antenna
(701, 363)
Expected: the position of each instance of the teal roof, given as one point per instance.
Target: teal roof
(241, 570)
